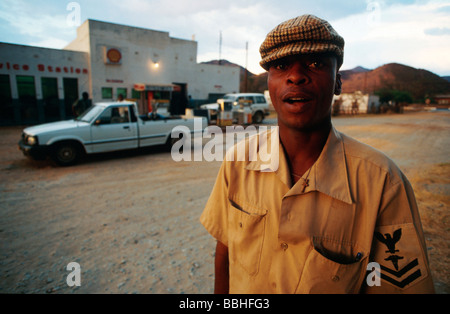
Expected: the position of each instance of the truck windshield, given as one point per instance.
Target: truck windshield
(229, 97)
(90, 114)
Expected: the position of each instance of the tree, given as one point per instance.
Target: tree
(394, 99)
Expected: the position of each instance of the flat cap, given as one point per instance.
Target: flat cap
(306, 34)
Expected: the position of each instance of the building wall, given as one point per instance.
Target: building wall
(357, 102)
(18, 61)
(443, 100)
(85, 62)
(141, 49)
(214, 79)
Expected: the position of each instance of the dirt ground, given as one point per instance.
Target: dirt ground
(130, 220)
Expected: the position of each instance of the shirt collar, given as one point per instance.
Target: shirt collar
(328, 174)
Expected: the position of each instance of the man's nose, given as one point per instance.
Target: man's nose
(297, 74)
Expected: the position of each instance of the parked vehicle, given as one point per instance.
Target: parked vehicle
(256, 102)
(104, 127)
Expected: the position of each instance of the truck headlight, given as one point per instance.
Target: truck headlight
(31, 140)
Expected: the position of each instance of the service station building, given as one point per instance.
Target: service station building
(106, 60)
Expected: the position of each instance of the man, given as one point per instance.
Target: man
(332, 206)
(81, 105)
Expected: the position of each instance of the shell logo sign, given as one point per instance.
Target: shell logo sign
(113, 56)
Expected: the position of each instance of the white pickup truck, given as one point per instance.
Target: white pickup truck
(104, 127)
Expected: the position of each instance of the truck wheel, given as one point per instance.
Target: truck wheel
(258, 117)
(66, 154)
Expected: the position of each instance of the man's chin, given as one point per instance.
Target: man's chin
(305, 125)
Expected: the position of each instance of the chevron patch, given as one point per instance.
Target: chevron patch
(389, 274)
(399, 255)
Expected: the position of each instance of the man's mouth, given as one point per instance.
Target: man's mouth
(297, 102)
(293, 100)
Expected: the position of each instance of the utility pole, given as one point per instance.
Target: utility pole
(246, 65)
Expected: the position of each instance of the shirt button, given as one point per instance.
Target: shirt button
(335, 278)
(284, 246)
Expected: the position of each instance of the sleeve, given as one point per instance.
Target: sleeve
(215, 215)
(399, 256)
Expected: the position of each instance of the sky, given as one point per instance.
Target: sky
(411, 32)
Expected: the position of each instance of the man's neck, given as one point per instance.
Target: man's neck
(303, 147)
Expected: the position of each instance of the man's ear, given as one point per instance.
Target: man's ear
(338, 85)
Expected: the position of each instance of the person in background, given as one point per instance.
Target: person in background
(81, 105)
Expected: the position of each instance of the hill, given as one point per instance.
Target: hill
(419, 83)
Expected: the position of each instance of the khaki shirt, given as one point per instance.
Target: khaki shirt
(359, 208)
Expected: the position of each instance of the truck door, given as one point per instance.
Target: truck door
(114, 130)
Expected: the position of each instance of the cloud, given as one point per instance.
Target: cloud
(25, 19)
(376, 31)
(238, 21)
(437, 31)
(401, 33)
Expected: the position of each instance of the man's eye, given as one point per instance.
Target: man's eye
(316, 64)
(280, 65)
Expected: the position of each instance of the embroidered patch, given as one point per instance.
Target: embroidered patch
(400, 255)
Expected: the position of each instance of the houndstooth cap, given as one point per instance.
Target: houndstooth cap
(306, 34)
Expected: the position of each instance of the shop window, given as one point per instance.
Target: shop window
(107, 93)
(122, 91)
(70, 94)
(27, 98)
(50, 98)
(6, 106)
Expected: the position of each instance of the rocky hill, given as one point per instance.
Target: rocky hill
(418, 83)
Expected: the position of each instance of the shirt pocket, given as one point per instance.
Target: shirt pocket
(246, 235)
(334, 267)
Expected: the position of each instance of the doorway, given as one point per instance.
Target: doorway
(179, 101)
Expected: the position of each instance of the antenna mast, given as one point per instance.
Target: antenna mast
(220, 48)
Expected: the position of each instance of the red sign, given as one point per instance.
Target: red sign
(139, 87)
(44, 68)
(113, 81)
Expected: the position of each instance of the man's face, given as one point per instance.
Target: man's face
(301, 88)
